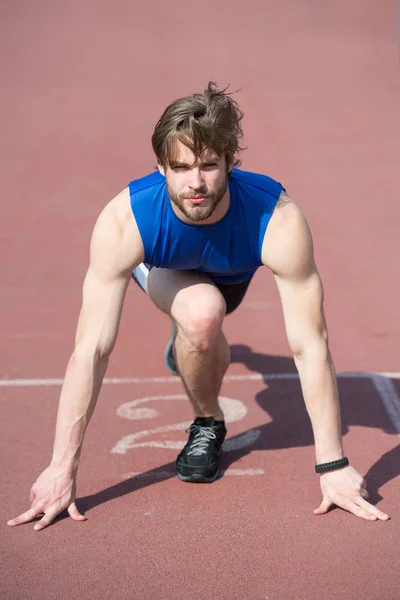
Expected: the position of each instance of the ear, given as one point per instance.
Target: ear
(161, 169)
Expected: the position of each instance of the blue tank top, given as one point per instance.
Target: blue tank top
(229, 250)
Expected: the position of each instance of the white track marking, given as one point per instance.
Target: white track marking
(48, 382)
(129, 411)
(167, 444)
(389, 375)
(150, 475)
(389, 397)
(127, 443)
(169, 474)
(236, 472)
(234, 410)
(387, 391)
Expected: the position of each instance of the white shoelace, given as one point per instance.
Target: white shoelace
(203, 435)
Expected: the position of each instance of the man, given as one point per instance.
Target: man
(193, 234)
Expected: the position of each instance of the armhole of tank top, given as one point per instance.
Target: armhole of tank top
(264, 227)
(145, 249)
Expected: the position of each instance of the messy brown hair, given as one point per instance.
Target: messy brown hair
(208, 120)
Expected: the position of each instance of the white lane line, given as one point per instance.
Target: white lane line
(169, 474)
(142, 380)
(381, 380)
(389, 397)
(29, 382)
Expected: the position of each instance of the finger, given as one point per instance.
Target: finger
(27, 516)
(323, 507)
(372, 509)
(357, 510)
(364, 493)
(48, 518)
(75, 514)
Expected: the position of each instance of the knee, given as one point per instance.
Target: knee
(201, 325)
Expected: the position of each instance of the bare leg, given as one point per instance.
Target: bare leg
(202, 369)
(201, 350)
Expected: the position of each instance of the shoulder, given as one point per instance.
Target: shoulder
(257, 181)
(114, 218)
(149, 183)
(115, 241)
(288, 246)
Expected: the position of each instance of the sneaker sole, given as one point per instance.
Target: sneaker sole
(198, 478)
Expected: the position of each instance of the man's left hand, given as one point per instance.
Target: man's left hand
(347, 489)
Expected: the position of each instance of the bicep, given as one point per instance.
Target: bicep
(115, 251)
(289, 253)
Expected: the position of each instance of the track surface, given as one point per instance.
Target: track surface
(83, 85)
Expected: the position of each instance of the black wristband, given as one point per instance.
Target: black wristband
(332, 466)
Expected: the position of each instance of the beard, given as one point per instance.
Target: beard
(199, 213)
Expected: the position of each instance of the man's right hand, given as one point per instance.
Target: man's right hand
(116, 248)
(53, 492)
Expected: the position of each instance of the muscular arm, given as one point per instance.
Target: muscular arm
(288, 252)
(115, 249)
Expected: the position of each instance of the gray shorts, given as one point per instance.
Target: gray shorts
(233, 293)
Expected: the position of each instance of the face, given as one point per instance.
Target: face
(197, 186)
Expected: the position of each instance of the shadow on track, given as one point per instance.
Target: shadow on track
(290, 426)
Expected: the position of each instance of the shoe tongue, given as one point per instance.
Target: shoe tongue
(204, 421)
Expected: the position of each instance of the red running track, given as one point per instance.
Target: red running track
(83, 84)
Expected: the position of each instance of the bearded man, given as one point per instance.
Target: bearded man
(193, 234)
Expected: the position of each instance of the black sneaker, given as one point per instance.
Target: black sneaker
(169, 357)
(198, 461)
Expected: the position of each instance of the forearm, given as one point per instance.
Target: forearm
(82, 383)
(319, 387)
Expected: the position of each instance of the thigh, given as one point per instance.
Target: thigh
(182, 294)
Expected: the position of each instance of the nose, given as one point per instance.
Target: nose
(196, 179)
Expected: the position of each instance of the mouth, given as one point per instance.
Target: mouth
(197, 199)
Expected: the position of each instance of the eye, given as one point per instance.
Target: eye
(210, 165)
(179, 168)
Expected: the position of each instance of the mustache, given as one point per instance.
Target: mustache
(194, 196)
